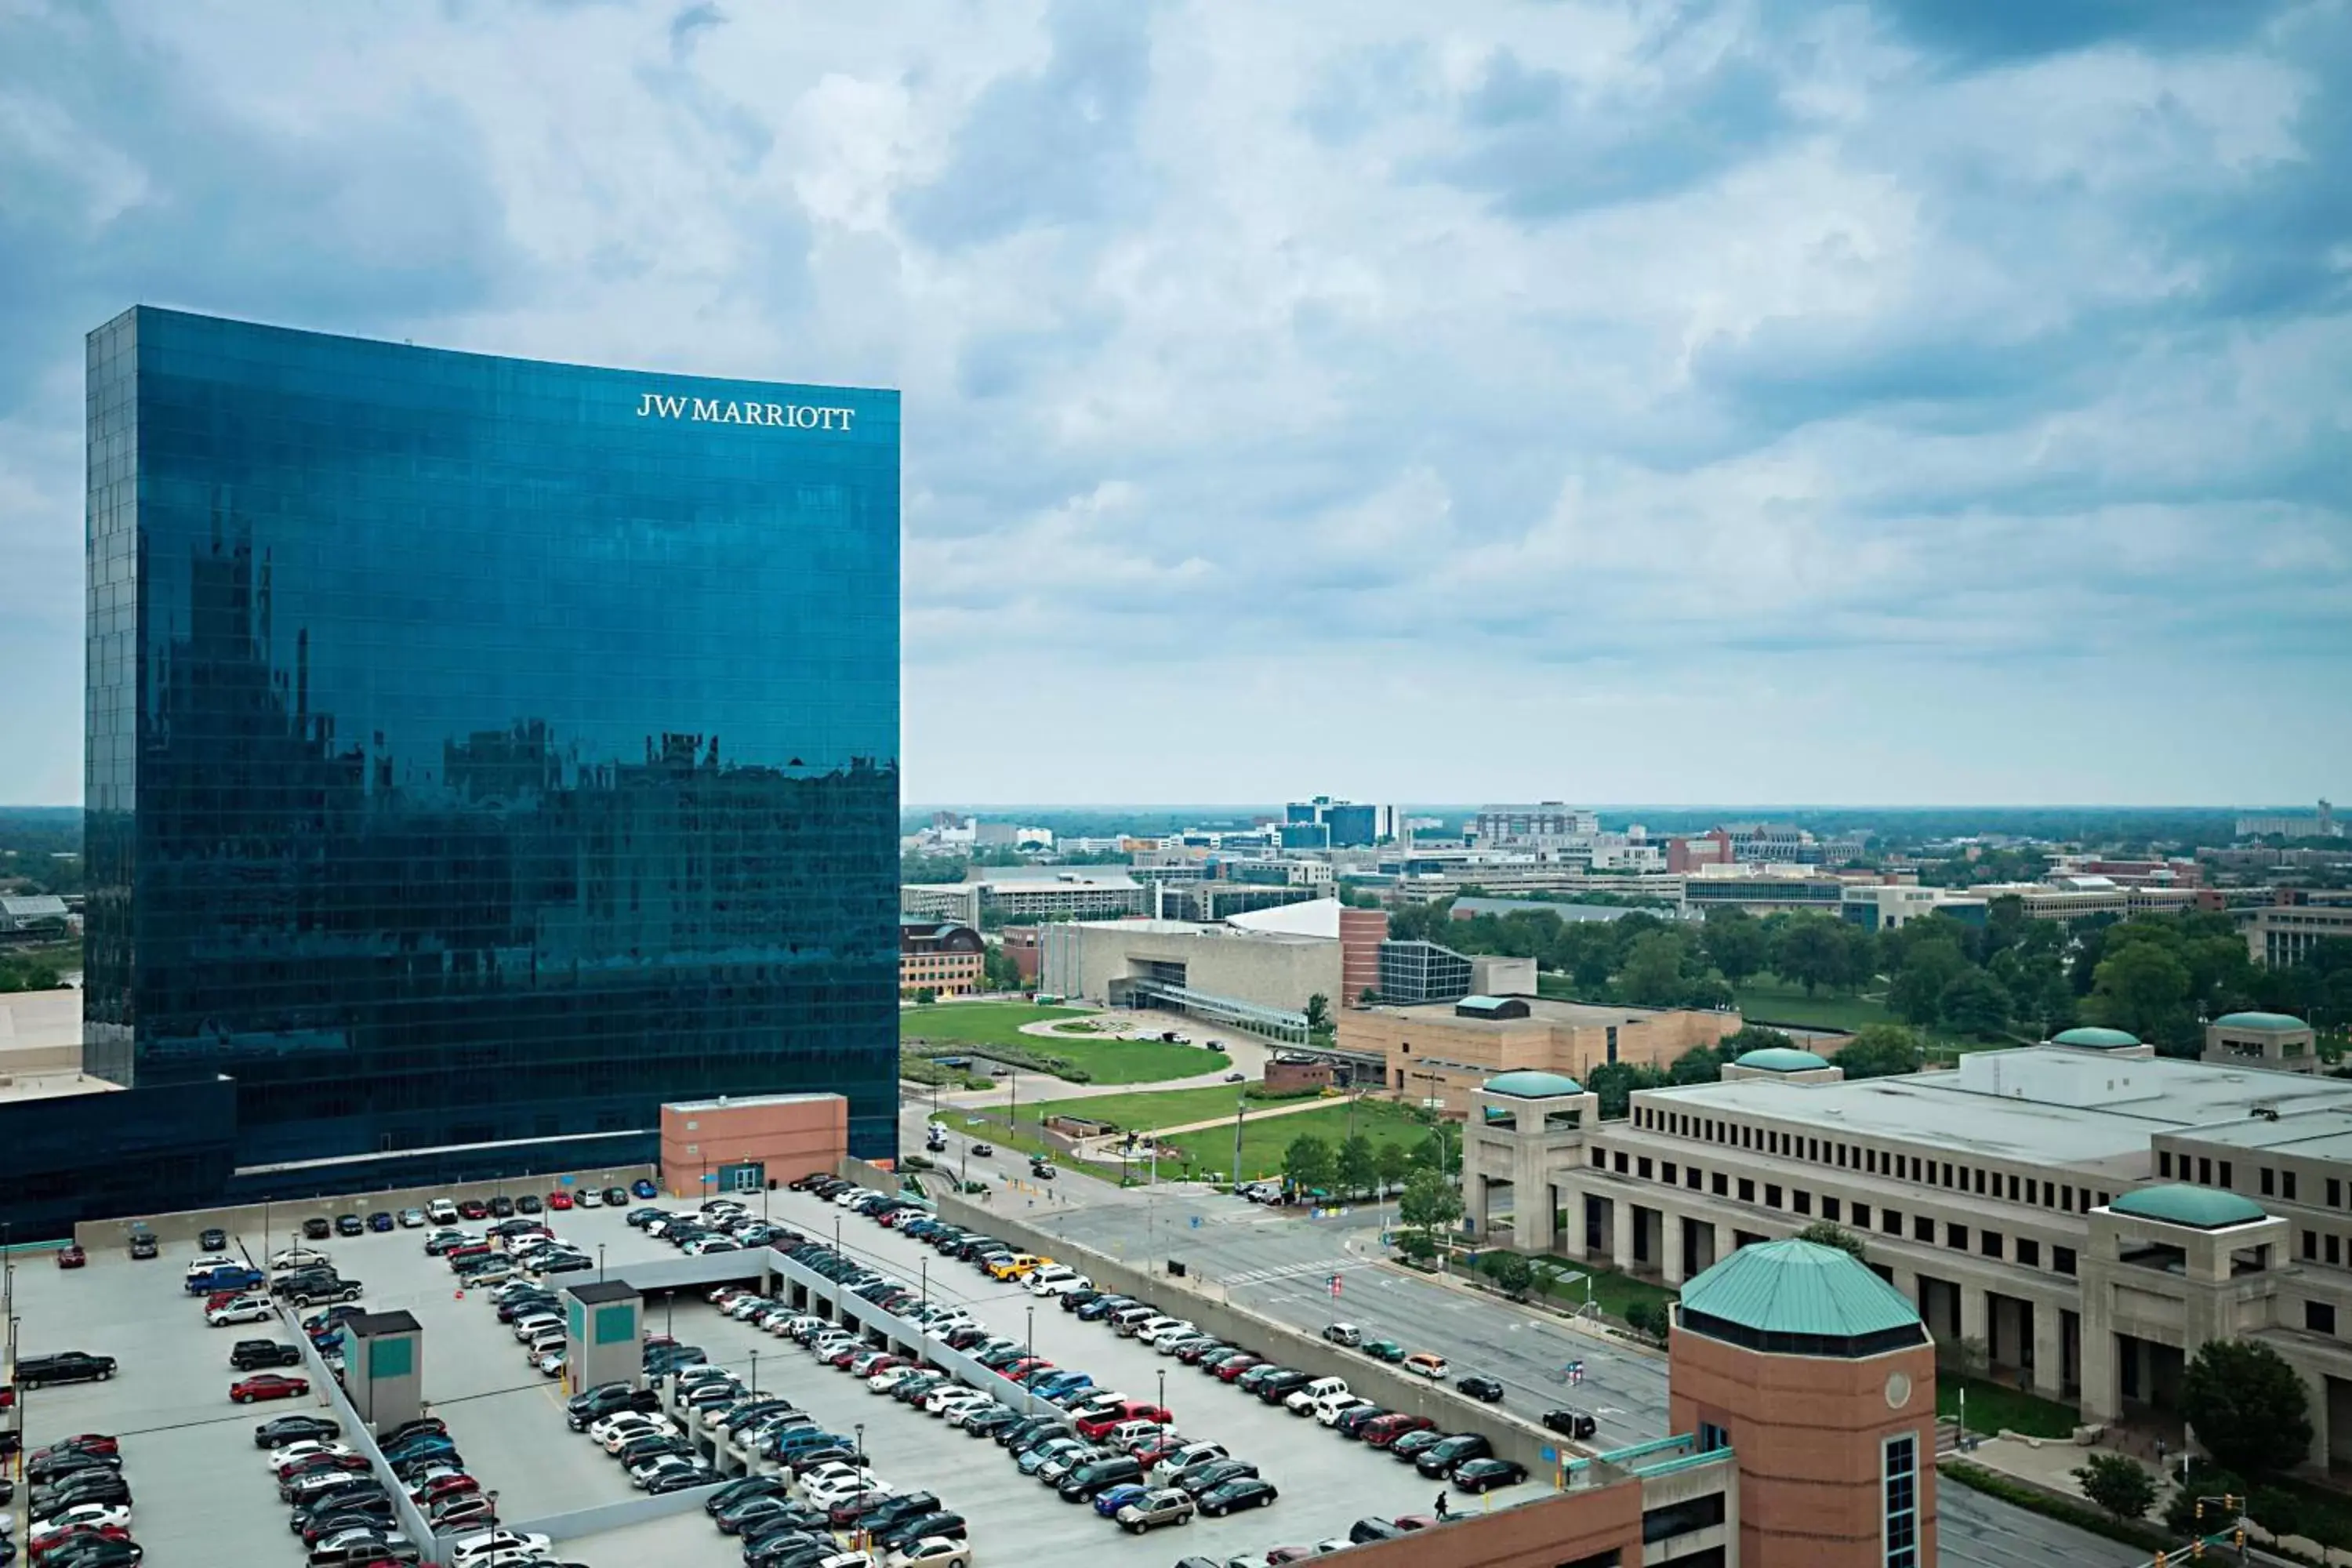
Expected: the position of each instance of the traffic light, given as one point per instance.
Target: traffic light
(2201, 1510)
(2238, 1539)
(2196, 1549)
(2160, 1560)
(2229, 1502)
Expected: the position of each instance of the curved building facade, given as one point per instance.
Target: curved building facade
(482, 751)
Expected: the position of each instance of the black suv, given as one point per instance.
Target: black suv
(1481, 1387)
(65, 1366)
(1571, 1422)
(250, 1354)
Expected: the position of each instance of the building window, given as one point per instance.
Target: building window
(1891, 1221)
(2012, 1189)
(1747, 1190)
(1712, 1438)
(2319, 1317)
(1861, 1215)
(1600, 1159)
(1668, 1173)
(2267, 1183)
(2286, 1185)
(2066, 1199)
(1771, 1195)
(1989, 1243)
(2333, 1249)
(1719, 1184)
(2061, 1259)
(1802, 1201)
(1923, 1228)
(2164, 1162)
(1901, 1464)
(1831, 1210)
(2204, 1171)
(2310, 1245)
(2225, 1178)
(1956, 1237)
(2335, 1192)
(1621, 1161)
(1643, 1167)
(1690, 1177)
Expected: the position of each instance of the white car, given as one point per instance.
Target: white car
(1165, 1472)
(296, 1257)
(836, 1490)
(212, 1260)
(612, 1438)
(531, 1324)
(642, 1473)
(1054, 1281)
(409, 1219)
(703, 1245)
(286, 1459)
(551, 1343)
(932, 1552)
(441, 1211)
(552, 1363)
(248, 1310)
(472, 1549)
(587, 1198)
(1302, 1402)
(79, 1516)
(937, 1402)
(1168, 1339)
(888, 1378)
(847, 1560)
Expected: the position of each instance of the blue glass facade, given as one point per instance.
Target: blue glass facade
(482, 750)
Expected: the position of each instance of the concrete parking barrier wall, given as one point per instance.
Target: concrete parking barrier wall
(613, 1515)
(1382, 1385)
(356, 1434)
(265, 1227)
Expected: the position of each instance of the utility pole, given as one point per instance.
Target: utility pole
(1240, 1105)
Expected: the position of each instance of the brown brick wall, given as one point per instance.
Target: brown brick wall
(1808, 1431)
(1540, 1535)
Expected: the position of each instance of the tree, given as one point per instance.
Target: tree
(1829, 1232)
(2118, 1484)
(2247, 1406)
(1367, 997)
(998, 971)
(925, 996)
(1390, 1162)
(1918, 987)
(1652, 971)
(1811, 951)
(1879, 1050)
(1417, 1245)
(1752, 1037)
(1307, 1164)
(1429, 1202)
(1736, 942)
(1700, 1064)
(1358, 1166)
(2207, 1480)
(1646, 1317)
(1318, 1012)
(1974, 1003)
(1511, 1273)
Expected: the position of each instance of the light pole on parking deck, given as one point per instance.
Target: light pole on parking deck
(1162, 1400)
(755, 1374)
(1029, 1349)
(600, 1263)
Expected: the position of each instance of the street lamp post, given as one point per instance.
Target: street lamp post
(859, 1428)
(755, 1374)
(1240, 1109)
(600, 1263)
(1029, 1350)
(924, 1288)
(1162, 1400)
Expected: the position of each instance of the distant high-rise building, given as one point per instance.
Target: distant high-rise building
(2321, 824)
(1544, 825)
(1349, 826)
(482, 751)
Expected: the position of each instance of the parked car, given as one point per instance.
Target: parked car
(1486, 1474)
(1422, 1364)
(63, 1366)
(1479, 1386)
(1242, 1492)
(350, 1224)
(287, 1429)
(1441, 1457)
(1344, 1334)
(267, 1385)
(1153, 1509)
(317, 1229)
(72, 1257)
(252, 1355)
(380, 1221)
(212, 1238)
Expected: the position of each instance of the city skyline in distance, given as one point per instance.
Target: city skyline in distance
(1893, 406)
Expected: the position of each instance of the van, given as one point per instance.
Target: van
(1425, 1364)
(1127, 1320)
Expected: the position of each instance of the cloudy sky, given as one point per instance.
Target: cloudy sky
(1928, 401)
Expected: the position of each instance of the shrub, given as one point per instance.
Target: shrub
(2205, 1481)
(2118, 1484)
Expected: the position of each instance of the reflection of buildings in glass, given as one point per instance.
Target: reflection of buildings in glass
(491, 927)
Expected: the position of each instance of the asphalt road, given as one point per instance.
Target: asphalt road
(1277, 1262)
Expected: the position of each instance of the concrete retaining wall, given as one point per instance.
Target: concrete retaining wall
(263, 1228)
(1384, 1386)
(613, 1515)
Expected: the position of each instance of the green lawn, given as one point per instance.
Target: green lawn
(1157, 1108)
(1995, 1407)
(981, 1024)
(1612, 1292)
(1264, 1137)
(1767, 999)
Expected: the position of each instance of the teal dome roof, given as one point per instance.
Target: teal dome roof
(2203, 1208)
(1800, 1298)
(1530, 1084)
(2097, 1039)
(1781, 1058)
(2260, 1021)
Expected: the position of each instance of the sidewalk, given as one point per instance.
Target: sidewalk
(2049, 1463)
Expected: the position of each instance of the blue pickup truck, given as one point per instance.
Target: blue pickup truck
(228, 1277)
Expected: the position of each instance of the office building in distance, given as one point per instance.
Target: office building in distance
(482, 751)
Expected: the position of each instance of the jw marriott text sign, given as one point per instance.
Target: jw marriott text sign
(725, 411)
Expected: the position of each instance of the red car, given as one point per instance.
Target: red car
(267, 1385)
(71, 1257)
(439, 1487)
(84, 1442)
(1095, 1427)
(1229, 1370)
(47, 1544)
(1022, 1368)
(844, 1357)
(559, 1200)
(1380, 1434)
(474, 1209)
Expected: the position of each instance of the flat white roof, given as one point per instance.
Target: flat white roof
(736, 1101)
